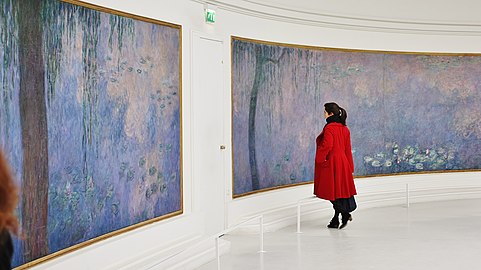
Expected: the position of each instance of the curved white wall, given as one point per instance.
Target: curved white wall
(147, 246)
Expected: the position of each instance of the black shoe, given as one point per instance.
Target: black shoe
(334, 224)
(345, 218)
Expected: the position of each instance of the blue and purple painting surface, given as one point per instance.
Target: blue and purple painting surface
(406, 112)
(112, 110)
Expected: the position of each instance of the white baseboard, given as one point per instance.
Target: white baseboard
(187, 252)
(204, 253)
(147, 258)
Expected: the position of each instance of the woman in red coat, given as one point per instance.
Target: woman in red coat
(333, 179)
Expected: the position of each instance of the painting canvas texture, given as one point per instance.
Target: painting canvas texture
(89, 121)
(408, 113)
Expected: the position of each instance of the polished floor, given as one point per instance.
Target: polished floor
(433, 235)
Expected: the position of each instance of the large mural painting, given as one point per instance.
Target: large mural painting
(408, 113)
(89, 120)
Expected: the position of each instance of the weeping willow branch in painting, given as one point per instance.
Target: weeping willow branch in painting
(263, 54)
(9, 58)
(58, 20)
(89, 88)
(10, 131)
(58, 25)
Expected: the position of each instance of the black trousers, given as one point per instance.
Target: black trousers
(6, 250)
(344, 205)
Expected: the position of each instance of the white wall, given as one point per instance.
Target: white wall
(143, 247)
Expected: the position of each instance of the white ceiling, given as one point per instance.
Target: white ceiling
(416, 11)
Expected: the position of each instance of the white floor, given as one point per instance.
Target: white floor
(434, 235)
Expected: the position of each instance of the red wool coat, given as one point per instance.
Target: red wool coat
(334, 165)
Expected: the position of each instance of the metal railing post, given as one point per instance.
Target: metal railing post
(217, 252)
(299, 216)
(407, 195)
(261, 233)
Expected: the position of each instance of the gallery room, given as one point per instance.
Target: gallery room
(187, 134)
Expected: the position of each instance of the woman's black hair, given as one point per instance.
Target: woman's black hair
(332, 107)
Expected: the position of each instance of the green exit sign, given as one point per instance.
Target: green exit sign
(210, 15)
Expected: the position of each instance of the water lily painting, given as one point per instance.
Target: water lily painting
(407, 112)
(89, 121)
